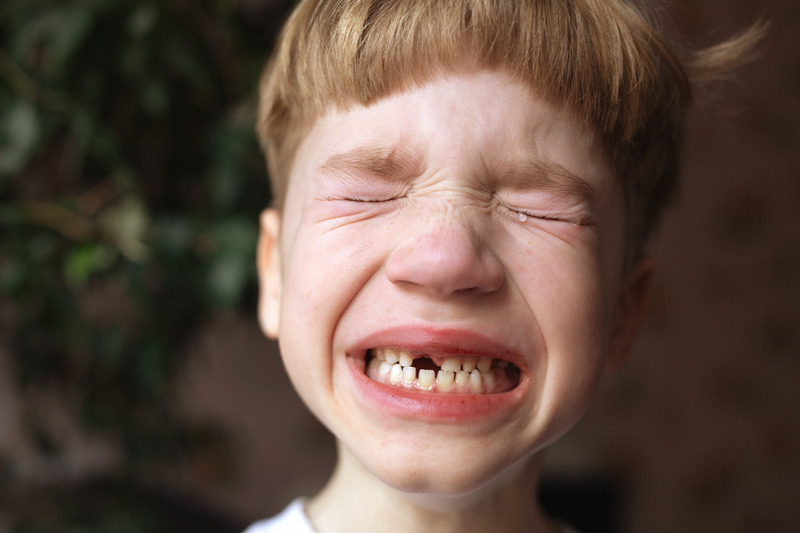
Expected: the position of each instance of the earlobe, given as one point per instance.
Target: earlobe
(629, 314)
(268, 262)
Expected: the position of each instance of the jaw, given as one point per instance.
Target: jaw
(363, 502)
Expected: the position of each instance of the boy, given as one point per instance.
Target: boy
(463, 193)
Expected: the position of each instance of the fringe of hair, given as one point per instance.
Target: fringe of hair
(604, 59)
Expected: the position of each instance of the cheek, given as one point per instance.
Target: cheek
(568, 296)
(563, 280)
(324, 270)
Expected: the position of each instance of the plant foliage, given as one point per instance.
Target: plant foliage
(130, 183)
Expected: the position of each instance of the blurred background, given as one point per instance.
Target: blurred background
(137, 393)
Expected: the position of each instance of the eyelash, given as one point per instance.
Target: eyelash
(370, 200)
(523, 215)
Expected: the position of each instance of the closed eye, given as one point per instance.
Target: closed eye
(523, 214)
(367, 199)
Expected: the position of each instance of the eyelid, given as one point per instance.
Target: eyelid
(532, 214)
(577, 218)
(544, 206)
(368, 199)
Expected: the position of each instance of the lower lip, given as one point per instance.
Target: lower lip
(417, 405)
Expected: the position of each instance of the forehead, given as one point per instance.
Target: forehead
(475, 119)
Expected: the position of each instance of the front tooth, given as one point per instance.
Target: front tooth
(475, 381)
(488, 380)
(484, 364)
(426, 378)
(445, 380)
(390, 355)
(409, 373)
(406, 359)
(383, 370)
(462, 379)
(395, 374)
(451, 364)
(469, 364)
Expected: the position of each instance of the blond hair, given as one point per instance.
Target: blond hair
(604, 58)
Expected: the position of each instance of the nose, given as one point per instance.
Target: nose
(445, 256)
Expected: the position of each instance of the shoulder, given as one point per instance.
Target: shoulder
(293, 519)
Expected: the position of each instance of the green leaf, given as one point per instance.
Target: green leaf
(142, 20)
(227, 278)
(12, 276)
(84, 261)
(19, 133)
(233, 262)
(55, 33)
(155, 97)
(126, 223)
(230, 141)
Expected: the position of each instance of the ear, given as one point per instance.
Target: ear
(268, 262)
(629, 313)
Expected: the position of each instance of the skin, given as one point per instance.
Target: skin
(429, 242)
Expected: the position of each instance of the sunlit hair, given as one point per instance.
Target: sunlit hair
(604, 58)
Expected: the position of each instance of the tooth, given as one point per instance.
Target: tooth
(488, 380)
(390, 354)
(406, 359)
(484, 364)
(374, 363)
(475, 381)
(469, 364)
(395, 373)
(426, 378)
(451, 364)
(409, 373)
(462, 379)
(445, 380)
(501, 363)
(383, 370)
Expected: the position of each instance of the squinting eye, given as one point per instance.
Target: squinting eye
(369, 200)
(523, 216)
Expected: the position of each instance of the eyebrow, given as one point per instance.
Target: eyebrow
(547, 175)
(368, 161)
(396, 164)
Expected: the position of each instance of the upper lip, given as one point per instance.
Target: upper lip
(437, 341)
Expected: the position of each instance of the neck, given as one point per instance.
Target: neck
(354, 501)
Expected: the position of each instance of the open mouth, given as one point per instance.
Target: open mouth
(465, 374)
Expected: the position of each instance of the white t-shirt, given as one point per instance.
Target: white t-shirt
(293, 519)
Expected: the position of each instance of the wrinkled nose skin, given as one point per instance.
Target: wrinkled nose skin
(445, 255)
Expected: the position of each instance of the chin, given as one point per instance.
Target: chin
(450, 473)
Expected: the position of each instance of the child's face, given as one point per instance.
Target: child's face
(463, 218)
